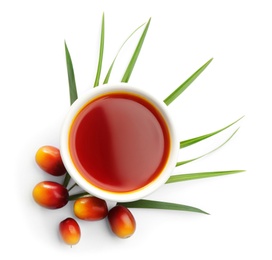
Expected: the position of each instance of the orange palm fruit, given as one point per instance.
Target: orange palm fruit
(51, 195)
(49, 159)
(121, 221)
(90, 208)
(69, 231)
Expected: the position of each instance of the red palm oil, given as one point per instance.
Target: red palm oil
(119, 142)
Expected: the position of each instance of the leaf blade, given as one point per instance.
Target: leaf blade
(194, 140)
(101, 53)
(71, 75)
(106, 80)
(135, 55)
(152, 204)
(191, 160)
(186, 84)
(199, 175)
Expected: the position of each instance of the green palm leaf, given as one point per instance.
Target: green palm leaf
(191, 141)
(191, 160)
(71, 76)
(135, 55)
(199, 175)
(101, 52)
(106, 80)
(72, 93)
(185, 84)
(152, 204)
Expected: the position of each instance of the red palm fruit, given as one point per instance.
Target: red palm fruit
(121, 221)
(90, 208)
(69, 231)
(51, 195)
(48, 158)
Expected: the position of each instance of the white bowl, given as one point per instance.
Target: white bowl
(94, 189)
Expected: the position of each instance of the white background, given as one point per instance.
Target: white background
(182, 36)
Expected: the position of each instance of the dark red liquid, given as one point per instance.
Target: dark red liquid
(119, 142)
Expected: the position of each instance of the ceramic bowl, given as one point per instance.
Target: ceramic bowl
(72, 141)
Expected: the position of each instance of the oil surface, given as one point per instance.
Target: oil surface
(119, 142)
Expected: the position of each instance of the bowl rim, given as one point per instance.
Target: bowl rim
(96, 191)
